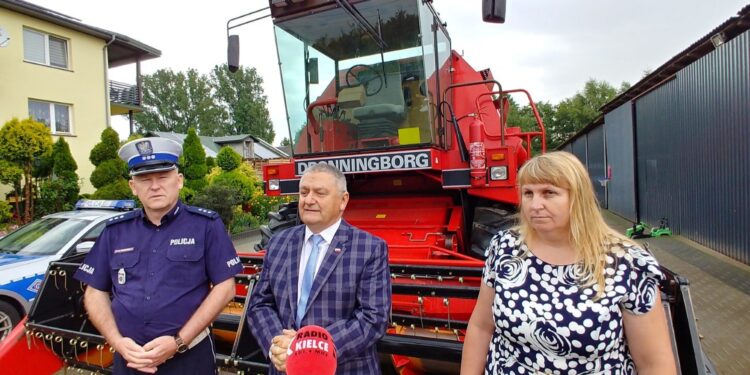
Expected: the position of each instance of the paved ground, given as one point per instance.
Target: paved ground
(245, 242)
(720, 289)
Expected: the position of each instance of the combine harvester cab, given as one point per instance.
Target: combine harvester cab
(373, 88)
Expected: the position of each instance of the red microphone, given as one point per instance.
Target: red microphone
(311, 352)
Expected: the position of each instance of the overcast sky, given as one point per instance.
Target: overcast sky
(549, 47)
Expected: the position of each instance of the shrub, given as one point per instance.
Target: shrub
(117, 190)
(219, 198)
(238, 182)
(242, 222)
(43, 165)
(108, 172)
(187, 194)
(196, 185)
(228, 159)
(6, 211)
(262, 204)
(63, 162)
(58, 194)
(210, 163)
(107, 148)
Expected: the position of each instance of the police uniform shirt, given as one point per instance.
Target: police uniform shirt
(159, 276)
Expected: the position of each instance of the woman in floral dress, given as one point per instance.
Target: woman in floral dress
(563, 293)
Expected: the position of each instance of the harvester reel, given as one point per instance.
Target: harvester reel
(365, 75)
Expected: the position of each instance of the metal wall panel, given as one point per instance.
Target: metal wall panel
(618, 135)
(597, 163)
(693, 141)
(579, 149)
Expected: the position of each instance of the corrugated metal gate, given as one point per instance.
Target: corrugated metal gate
(693, 141)
(618, 131)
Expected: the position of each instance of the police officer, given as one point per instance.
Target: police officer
(170, 268)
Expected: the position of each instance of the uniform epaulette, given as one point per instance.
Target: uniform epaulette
(123, 217)
(202, 211)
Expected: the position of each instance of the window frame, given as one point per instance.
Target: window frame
(52, 114)
(47, 60)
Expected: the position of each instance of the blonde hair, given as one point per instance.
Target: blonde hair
(590, 236)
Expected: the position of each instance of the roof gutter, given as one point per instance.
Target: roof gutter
(105, 54)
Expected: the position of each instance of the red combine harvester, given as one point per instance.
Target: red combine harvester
(374, 88)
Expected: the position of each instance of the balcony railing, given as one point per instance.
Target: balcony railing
(124, 93)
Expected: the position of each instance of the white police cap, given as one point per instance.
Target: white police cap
(148, 155)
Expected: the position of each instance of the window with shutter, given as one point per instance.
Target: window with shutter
(58, 52)
(45, 49)
(33, 46)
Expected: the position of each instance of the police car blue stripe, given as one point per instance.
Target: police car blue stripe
(7, 259)
(27, 288)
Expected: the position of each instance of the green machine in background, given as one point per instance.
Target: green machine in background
(638, 230)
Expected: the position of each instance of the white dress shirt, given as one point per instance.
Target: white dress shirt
(327, 235)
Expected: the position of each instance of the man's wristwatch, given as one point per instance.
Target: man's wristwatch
(181, 346)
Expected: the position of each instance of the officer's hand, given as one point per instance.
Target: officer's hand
(159, 350)
(134, 354)
(279, 346)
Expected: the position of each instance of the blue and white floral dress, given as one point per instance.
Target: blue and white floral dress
(546, 323)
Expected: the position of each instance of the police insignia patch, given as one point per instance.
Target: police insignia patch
(144, 148)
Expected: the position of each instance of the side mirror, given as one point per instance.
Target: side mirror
(84, 247)
(312, 70)
(493, 11)
(233, 53)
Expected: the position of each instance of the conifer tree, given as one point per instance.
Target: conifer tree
(60, 191)
(193, 162)
(111, 173)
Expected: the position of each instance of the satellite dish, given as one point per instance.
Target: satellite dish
(4, 37)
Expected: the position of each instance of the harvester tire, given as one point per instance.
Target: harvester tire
(488, 221)
(285, 217)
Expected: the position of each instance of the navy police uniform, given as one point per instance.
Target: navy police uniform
(159, 276)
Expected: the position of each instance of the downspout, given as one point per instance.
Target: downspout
(105, 53)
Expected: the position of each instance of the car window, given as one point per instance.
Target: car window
(42, 237)
(94, 233)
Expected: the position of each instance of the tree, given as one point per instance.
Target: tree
(111, 173)
(63, 163)
(193, 162)
(578, 111)
(22, 142)
(241, 93)
(285, 142)
(60, 191)
(523, 117)
(175, 102)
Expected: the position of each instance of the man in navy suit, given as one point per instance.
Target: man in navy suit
(327, 273)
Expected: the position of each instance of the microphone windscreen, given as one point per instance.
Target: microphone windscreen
(311, 352)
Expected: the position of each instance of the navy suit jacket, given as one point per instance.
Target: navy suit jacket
(350, 295)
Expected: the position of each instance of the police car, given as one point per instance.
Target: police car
(26, 252)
